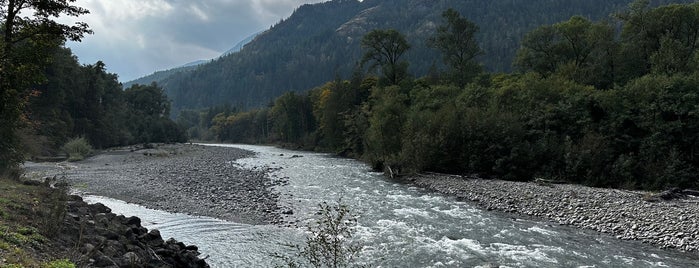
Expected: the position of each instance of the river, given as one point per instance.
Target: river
(398, 225)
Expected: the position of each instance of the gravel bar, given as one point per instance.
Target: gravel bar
(623, 214)
(192, 179)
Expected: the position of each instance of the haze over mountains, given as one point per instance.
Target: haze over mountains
(320, 42)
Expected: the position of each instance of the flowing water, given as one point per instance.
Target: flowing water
(398, 226)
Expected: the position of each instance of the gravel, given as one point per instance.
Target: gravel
(202, 180)
(623, 214)
(193, 179)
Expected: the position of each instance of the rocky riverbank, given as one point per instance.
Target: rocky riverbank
(95, 237)
(193, 179)
(628, 215)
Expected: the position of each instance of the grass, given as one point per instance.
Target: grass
(28, 217)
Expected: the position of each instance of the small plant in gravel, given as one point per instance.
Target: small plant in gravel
(60, 264)
(77, 149)
(328, 240)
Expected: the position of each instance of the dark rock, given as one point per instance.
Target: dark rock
(99, 208)
(133, 221)
(165, 252)
(32, 182)
(110, 235)
(131, 259)
(103, 261)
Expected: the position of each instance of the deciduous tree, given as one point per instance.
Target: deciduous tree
(457, 41)
(384, 49)
(29, 34)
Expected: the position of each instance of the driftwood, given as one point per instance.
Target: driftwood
(545, 181)
(671, 194)
(391, 173)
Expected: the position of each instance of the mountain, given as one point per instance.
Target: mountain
(321, 41)
(239, 46)
(194, 63)
(160, 76)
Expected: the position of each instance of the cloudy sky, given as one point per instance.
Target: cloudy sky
(137, 37)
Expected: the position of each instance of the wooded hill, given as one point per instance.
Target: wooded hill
(321, 41)
(598, 103)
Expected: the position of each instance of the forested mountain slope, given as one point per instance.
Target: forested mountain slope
(160, 76)
(321, 41)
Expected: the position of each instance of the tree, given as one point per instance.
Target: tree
(660, 40)
(577, 49)
(27, 42)
(147, 100)
(457, 42)
(148, 112)
(384, 48)
(387, 117)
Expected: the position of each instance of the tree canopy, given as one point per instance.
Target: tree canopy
(383, 50)
(29, 34)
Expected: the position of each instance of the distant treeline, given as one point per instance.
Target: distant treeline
(321, 41)
(589, 105)
(85, 101)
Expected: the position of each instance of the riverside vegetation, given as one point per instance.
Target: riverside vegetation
(46, 100)
(588, 105)
(321, 41)
(42, 226)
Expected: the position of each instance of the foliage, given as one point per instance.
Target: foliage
(577, 49)
(24, 232)
(328, 240)
(86, 101)
(457, 41)
(60, 264)
(77, 149)
(577, 111)
(320, 42)
(25, 47)
(384, 49)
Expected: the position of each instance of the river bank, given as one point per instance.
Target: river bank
(180, 178)
(206, 181)
(627, 215)
(42, 226)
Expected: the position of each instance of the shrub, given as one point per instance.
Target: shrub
(328, 241)
(77, 149)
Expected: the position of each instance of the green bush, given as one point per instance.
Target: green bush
(328, 243)
(77, 149)
(60, 264)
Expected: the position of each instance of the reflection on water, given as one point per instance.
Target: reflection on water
(399, 225)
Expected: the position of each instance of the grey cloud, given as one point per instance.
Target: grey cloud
(138, 37)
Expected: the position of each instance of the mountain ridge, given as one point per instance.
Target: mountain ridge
(319, 42)
(159, 76)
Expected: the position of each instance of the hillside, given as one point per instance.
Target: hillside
(321, 41)
(160, 76)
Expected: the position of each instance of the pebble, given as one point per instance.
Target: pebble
(619, 213)
(198, 180)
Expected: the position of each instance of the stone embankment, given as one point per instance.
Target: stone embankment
(95, 237)
(628, 215)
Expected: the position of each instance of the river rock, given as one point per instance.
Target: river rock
(668, 222)
(119, 246)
